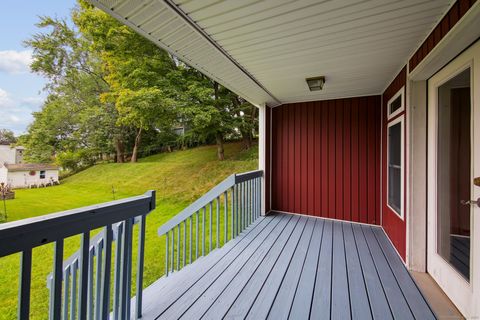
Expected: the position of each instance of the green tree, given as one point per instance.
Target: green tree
(7, 136)
(136, 71)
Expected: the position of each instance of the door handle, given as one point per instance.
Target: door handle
(471, 202)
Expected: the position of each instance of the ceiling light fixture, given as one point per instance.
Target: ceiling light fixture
(315, 83)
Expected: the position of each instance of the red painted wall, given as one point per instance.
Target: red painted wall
(456, 12)
(393, 225)
(326, 158)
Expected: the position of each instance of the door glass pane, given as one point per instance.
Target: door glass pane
(453, 172)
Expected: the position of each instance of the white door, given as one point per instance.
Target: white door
(453, 258)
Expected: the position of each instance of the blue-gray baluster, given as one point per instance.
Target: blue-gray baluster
(56, 288)
(118, 272)
(184, 242)
(108, 236)
(25, 282)
(98, 277)
(124, 271)
(259, 194)
(73, 291)
(140, 264)
(210, 230)
(203, 230)
(225, 216)
(83, 276)
(172, 265)
(252, 201)
(234, 223)
(237, 210)
(128, 280)
(244, 216)
(256, 198)
(190, 240)
(249, 202)
(50, 297)
(66, 288)
(218, 222)
(196, 235)
(91, 253)
(178, 246)
(166, 253)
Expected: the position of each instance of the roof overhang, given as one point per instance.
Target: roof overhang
(264, 50)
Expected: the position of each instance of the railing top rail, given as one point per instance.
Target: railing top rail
(245, 176)
(32, 232)
(207, 198)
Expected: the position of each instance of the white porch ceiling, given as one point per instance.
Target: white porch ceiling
(264, 49)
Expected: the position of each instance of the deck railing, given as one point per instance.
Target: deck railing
(113, 217)
(217, 217)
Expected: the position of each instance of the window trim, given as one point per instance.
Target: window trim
(400, 93)
(400, 120)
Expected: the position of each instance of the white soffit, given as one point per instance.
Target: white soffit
(264, 50)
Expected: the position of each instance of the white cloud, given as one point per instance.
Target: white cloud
(16, 114)
(14, 62)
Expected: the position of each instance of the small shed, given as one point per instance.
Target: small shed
(25, 175)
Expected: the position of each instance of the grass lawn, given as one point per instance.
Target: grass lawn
(179, 178)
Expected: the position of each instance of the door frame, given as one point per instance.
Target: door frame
(460, 291)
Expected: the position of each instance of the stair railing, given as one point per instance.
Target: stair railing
(217, 217)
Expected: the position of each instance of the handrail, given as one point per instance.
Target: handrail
(24, 235)
(37, 231)
(198, 204)
(244, 191)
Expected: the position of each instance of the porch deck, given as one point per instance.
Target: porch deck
(291, 266)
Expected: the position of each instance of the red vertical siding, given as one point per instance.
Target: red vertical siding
(456, 12)
(394, 226)
(331, 149)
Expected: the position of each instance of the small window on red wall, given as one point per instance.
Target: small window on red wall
(396, 104)
(395, 159)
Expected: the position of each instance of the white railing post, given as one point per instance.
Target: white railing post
(262, 153)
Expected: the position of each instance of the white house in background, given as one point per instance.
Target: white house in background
(24, 175)
(9, 154)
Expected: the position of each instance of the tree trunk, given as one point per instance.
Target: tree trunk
(220, 149)
(138, 138)
(120, 150)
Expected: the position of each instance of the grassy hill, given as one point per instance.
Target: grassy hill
(179, 178)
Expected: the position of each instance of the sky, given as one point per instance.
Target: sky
(20, 90)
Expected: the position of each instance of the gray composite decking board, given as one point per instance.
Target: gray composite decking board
(167, 290)
(416, 301)
(304, 294)
(359, 303)
(296, 267)
(286, 293)
(264, 299)
(241, 269)
(226, 299)
(378, 301)
(241, 305)
(340, 295)
(397, 302)
(321, 301)
(180, 305)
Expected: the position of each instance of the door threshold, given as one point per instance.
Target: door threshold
(438, 300)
